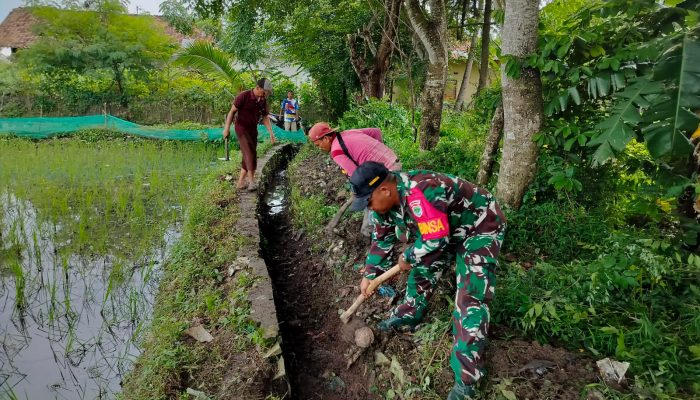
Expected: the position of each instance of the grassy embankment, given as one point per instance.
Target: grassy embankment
(196, 288)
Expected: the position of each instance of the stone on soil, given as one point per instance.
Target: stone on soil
(364, 337)
(199, 334)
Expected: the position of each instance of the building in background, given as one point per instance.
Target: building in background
(457, 65)
(16, 31)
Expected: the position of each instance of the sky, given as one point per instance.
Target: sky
(150, 6)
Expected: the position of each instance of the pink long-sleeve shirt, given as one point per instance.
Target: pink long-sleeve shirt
(363, 145)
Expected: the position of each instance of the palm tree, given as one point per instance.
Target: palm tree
(212, 62)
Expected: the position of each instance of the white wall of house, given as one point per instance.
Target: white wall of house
(6, 51)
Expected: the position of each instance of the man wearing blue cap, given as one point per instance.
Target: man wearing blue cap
(448, 219)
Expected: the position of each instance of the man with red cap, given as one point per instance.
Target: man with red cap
(353, 147)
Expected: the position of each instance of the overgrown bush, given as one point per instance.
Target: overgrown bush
(638, 301)
(554, 231)
(164, 96)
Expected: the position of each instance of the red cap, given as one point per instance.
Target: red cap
(320, 130)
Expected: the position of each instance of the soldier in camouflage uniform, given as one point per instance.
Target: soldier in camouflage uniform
(449, 220)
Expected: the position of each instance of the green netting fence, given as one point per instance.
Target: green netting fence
(46, 127)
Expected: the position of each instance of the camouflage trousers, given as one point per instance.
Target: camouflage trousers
(476, 281)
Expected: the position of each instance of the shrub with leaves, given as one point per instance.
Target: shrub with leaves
(638, 301)
(617, 72)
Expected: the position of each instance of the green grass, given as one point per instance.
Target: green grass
(193, 289)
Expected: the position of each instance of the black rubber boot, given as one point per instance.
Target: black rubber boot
(460, 391)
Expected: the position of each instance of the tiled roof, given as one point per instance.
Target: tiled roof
(16, 29)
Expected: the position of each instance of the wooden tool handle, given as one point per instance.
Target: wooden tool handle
(345, 317)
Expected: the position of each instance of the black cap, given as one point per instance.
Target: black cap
(266, 85)
(367, 177)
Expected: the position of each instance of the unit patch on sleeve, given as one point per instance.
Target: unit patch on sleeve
(416, 208)
(432, 223)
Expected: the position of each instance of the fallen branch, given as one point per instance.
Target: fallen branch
(336, 218)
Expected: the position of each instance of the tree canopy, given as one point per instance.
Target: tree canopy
(104, 39)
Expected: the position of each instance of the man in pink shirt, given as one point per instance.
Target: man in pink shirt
(353, 147)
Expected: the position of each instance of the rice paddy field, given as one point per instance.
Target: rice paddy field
(84, 229)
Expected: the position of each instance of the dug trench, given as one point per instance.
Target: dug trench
(313, 279)
(315, 349)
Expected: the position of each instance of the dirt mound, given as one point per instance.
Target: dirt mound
(248, 373)
(534, 371)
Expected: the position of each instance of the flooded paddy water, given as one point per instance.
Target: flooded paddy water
(84, 230)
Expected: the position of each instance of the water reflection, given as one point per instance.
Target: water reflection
(68, 321)
(276, 197)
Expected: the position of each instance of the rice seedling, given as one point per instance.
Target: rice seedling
(83, 230)
(20, 283)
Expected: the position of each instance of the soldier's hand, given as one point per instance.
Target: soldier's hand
(403, 264)
(364, 284)
(226, 133)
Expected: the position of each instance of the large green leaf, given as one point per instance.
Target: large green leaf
(599, 85)
(208, 60)
(618, 129)
(673, 115)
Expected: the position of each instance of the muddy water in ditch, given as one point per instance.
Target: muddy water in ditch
(312, 342)
(67, 322)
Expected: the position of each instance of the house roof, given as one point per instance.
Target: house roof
(458, 49)
(16, 29)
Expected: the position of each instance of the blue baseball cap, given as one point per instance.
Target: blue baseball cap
(367, 177)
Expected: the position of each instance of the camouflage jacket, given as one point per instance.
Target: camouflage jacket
(436, 211)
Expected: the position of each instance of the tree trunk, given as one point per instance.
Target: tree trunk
(433, 92)
(522, 104)
(462, 19)
(382, 59)
(373, 78)
(358, 64)
(462, 95)
(487, 157)
(431, 30)
(485, 40)
(119, 78)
